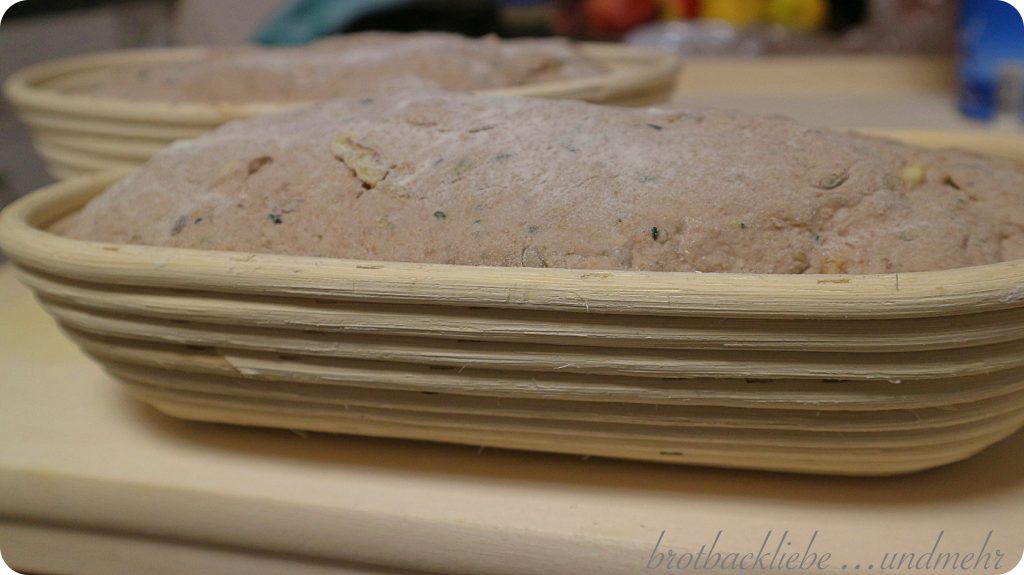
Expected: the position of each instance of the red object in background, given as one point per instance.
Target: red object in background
(679, 9)
(616, 17)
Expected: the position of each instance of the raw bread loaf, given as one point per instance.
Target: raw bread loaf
(463, 179)
(356, 64)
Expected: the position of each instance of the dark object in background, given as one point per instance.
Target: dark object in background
(304, 21)
(846, 14)
(468, 17)
(38, 7)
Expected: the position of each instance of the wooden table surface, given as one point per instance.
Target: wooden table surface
(93, 482)
(865, 92)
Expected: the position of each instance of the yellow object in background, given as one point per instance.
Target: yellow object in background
(804, 14)
(739, 12)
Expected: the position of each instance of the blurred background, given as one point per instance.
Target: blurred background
(915, 64)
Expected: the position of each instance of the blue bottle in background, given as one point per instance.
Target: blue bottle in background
(991, 72)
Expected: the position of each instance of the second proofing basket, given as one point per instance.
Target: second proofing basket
(77, 133)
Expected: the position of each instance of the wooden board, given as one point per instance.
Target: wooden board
(94, 482)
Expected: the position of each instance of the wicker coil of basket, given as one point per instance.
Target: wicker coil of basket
(79, 133)
(839, 374)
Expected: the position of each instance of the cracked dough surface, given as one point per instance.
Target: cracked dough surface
(454, 178)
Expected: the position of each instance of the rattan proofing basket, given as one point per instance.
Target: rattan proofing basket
(858, 374)
(77, 133)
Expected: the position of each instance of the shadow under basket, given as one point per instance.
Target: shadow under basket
(79, 133)
(855, 375)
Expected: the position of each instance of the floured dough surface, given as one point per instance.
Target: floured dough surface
(349, 65)
(462, 179)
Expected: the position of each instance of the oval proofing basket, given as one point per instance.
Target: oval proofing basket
(858, 374)
(77, 133)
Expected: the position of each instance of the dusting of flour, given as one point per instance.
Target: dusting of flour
(455, 178)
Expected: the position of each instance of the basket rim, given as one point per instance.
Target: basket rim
(650, 67)
(24, 238)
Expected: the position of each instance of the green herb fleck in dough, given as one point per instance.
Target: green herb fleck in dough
(654, 233)
(440, 215)
(463, 166)
(655, 126)
(532, 229)
(817, 238)
(276, 218)
(743, 225)
(199, 220)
